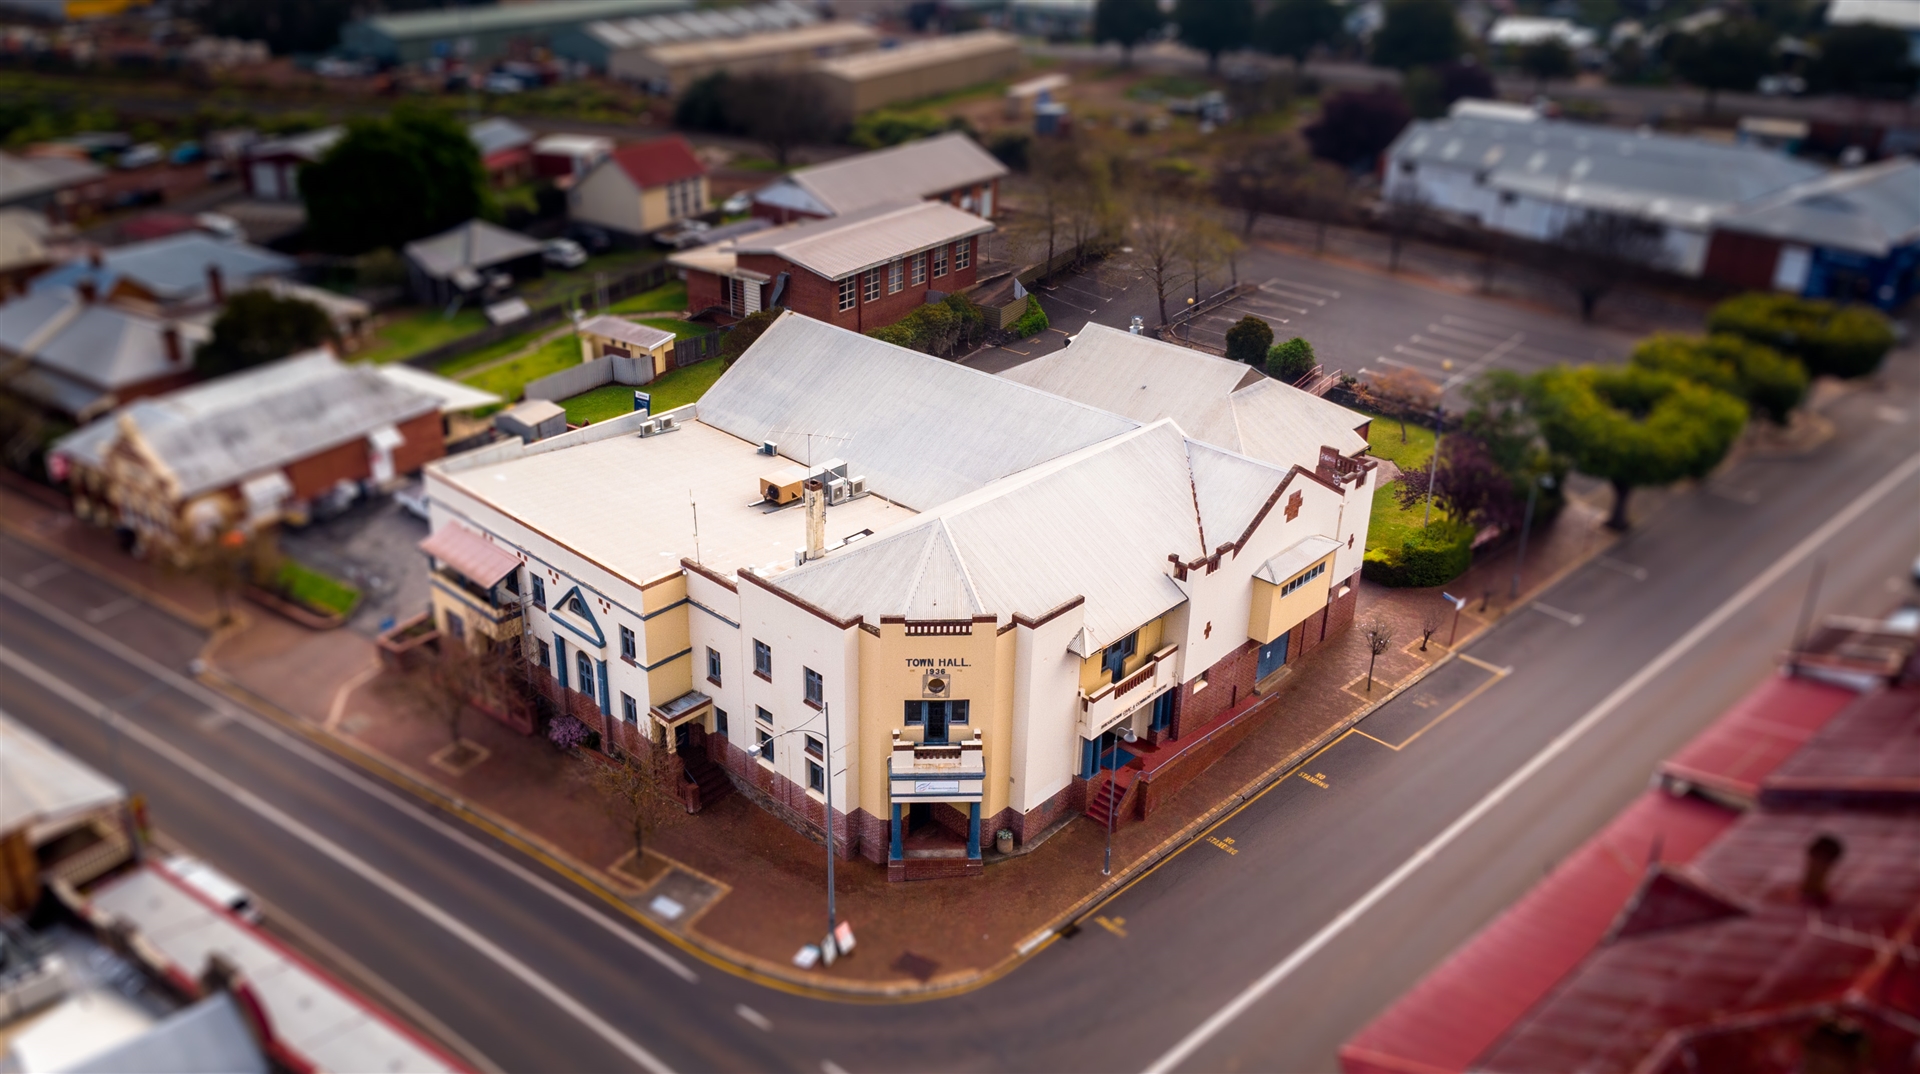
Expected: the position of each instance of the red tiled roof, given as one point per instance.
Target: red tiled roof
(507, 158)
(1730, 758)
(658, 162)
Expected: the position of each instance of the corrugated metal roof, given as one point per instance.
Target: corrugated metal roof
(1298, 557)
(899, 173)
(482, 561)
(746, 47)
(103, 346)
(174, 268)
(1868, 210)
(1099, 522)
(643, 336)
(26, 177)
(1732, 756)
(1147, 379)
(1672, 179)
(453, 395)
(474, 244)
(1867, 755)
(922, 430)
(495, 133)
(216, 434)
(650, 30)
(843, 245)
(863, 66)
(505, 18)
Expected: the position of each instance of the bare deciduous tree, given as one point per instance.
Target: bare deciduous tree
(779, 110)
(1379, 636)
(1160, 228)
(1399, 393)
(1430, 620)
(1404, 213)
(461, 676)
(639, 791)
(1596, 252)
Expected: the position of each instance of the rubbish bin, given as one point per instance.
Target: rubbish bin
(1003, 840)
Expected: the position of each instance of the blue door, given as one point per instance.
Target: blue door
(1272, 655)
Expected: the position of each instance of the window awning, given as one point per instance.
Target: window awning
(482, 561)
(1295, 559)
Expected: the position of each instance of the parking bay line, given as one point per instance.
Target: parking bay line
(342, 857)
(1498, 673)
(1638, 574)
(1567, 617)
(1329, 292)
(1298, 957)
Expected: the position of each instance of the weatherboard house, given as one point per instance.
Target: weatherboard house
(946, 602)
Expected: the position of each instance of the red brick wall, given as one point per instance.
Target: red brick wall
(1745, 261)
(1228, 681)
(1329, 621)
(789, 801)
(819, 298)
(703, 290)
(351, 461)
(1071, 799)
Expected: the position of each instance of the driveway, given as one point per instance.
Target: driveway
(372, 545)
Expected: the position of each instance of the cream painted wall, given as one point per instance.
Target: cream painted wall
(1046, 692)
(799, 640)
(608, 198)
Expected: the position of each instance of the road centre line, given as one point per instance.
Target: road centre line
(342, 857)
(306, 752)
(753, 1018)
(1562, 742)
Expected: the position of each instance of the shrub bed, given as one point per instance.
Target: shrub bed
(1837, 341)
(1032, 322)
(1433, 556)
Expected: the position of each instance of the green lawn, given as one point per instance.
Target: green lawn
(680, 329)
(669, 390)
(1389, 526)
(407, 335)
(1383, 442)
(507, 379)
(305, 586)
(671, 295)
(558, 284)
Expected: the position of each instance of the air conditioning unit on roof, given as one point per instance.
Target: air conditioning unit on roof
(856, 486)
(839, 490)
(666, 423)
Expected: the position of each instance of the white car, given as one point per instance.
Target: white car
(501, 82)
(737, 204)
(563, 253)
(215, 885)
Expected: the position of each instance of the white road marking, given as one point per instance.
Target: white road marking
(1562, 742)
(1638, 574)
(1398, 362)
(1473, 368)
(1749, 497)
(1329, 292)
(1297, 297)
(1473, 349)
(34, 577)
(340, 771)
(342, 857)
(110, 609)
(1567, 617)
(1413, 352)
(828, 1066)
(753, 1018)
(1501, 331)
(1484, 339)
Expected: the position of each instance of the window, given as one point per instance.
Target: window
(873, 286)
(766, 747)
(762, 660)
(939, 262)
(935, 717)
(456, 626)
(919, 269)
(962, 254)
(814, 747)
(546, 654)
(511, 583)
(816, 778)
(849, 288)
(628, 649)
(585, 664)
(720, 722)
(539, 591)
(713, 666)
(762, 715)
(816, 691)
(629, 710)
(896, 274)
(578, 605)
(728, 294)
(1114, 659)
(1295, 583)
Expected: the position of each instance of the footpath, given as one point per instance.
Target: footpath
(742, 890)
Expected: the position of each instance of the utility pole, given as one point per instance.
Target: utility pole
(1433, 466)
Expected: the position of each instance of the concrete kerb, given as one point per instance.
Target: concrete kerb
(151, 598)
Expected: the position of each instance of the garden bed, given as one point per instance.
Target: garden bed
(307, 597)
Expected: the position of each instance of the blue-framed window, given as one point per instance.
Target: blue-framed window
(720, 722)
(816, 778)
(539, 590)
(1163, 711)
(762, 715)
(816, 689)
(546, 654)
(629, 710)
(762, 659)
(1114, 659)
(1317, 570)
(713, 665)
(584, 664)
(766, 746)
(629, 647)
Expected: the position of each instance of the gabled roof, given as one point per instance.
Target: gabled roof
(645, 31)
(216, 434)
(173, 269)
(843, 245)
(496, 134)
(657, 162)
(307, 145)
(922, 430)
(1099, 522)
(475, 244)
(643, 336)
(1673, 179)
(909, 171)
(27, 177)
(1147, 379)
(1869, 210)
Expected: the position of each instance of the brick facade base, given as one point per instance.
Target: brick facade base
(785, 799)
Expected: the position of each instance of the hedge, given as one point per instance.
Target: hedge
(1830, 340)
(1433, 556)
(1769, 381)
(938, 328)
(1032, 322)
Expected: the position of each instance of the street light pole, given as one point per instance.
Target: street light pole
(1113, 807)
(826, 717)
(1526, 526)
(1433, 465)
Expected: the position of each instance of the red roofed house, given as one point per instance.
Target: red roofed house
(860, 271)
(641, 188)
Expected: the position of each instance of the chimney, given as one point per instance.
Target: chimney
(89, 291)
(815, 494)
(171, 336)
(216, 285)
(1822, 855)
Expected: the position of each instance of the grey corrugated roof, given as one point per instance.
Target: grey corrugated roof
(1295, 559)
(173, 268)
(113, 348)
(1147, 379)
(27, 177)
(647, 30)
(26, 321)
(843, 245)
(217, 434)
(640, 335)
(495, 133)
(474, 244)
(922, 430)
(1099, 522)
(1868, 210)
(900, 173)
(504, 18)
(1673, 179)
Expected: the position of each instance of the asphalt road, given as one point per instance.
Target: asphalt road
(519, 971)
(1357, 321)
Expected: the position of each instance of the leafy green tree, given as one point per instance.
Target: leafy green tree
(1214, 26)
(1863, 60)
(1418, 33)
(1500, 415)
(1770, 382)
(1248, 340)
(390, 181)
(778, 110)
(1355, 127)
(1725, 56)
(1296, 27)
(1545, 59)
(259, 326)
(1128, 22)
(703, 107)
(1291, 360)
(1633, 427)
(1830, 340)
